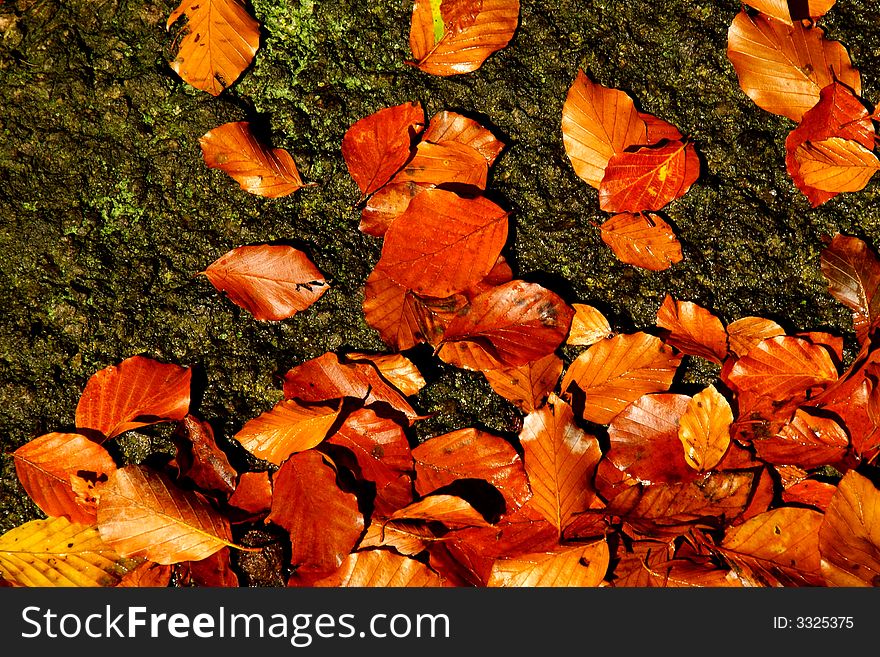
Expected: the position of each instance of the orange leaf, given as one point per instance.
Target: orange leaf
(560, 459)
(386, 205)
(500, 274)
(214, 572)
(258, 169)
(450, 510)
(452, 127)
(147, 575)
(381, 569)
(791, 10)
(253, 495)
(448, 163)
(615, 372)
(580, 566)
(200, 460)
(776, 548)
(288, 428)
(744, 334)
(48, 465)
(598, 123)
(849, 538)
(658, 130)
(141, 513)
(509, 325)
(136, 393)
(323, 521)
(811, 492)
(397, 369)
(645, 241)
(704, 429)
(636, 571)
(836, 165)
(471, 454)
(808, 441)
(648, 178)
(450, 37)
(377, 146)
(782, 68)
(527, 386)
(443, 243)
(693, 329)
(588, 326)
(644, 439)
(219, 42)
(272, 282)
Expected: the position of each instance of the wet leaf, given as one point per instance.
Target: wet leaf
(836, 165)
(500, 274)
(136, 393)
(745, 333)
(443, 243)
(597, 123)
(397, 369)
(451, 37)
(508, 326)
(381, 569)
(588, 326)
(579, 565)
(527, 386)
(448, 126)
(808, 440)
(377, 146)
(57, 552)
(288, 428)
(48, 466)
(693, 329)
(200, 460)
(447, 163)
(217, 43)
(645, 241)
(323, 521)
(560, 459)
(659, 130)
(272, 282)
(648, 178)
(853, 274)
(471, 454)
(258, 169)
(613, 373)
(141, 513)
(782, 68)
(704, 429)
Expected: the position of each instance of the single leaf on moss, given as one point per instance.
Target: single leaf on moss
(451, 37)
(57, 552)
(704, 429)
(48, 466)
(642, 240)
(217, 43)
(746, 332)
(693, 329)
(272, 282)
(578, 565)
(527, 386)
(288, 428)
(258, 169)
(446, 126)
(138, 392)
(381, 569)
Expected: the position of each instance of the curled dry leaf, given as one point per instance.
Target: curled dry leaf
(560, 459)
(853, 274)
(836, 165)
(578, 565)
(57, 552)
(448, 126)
(443, 243)
(508, 326)
(272, 282)
(745, 333)
(783, 68)
(377, 146)
(704, 429)
(451, 37)
(200, 459)
(257, 168)
(692, 329)
(642, 240)
(288, 428)
(527, 386)
(613, 373)
(141, 513)
(219, 42)
(48, 466)
(597, 123)
(588, 326)
(136, 393)
(381, 569)
(323, 521)
(471, 454)
(807, 440)
(648, 178)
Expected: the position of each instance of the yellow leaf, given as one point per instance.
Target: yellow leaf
(704, 429)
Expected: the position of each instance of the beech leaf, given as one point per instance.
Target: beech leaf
(588, 326)
(200, 459)
(807, 440)
(853, 274)
(836, 165)
(447, 163)
(693, 329)
(579, 565)
(527, 386)
(448, 126)
(745, 333)
(645, 241)
(792, 10)
(381, 569)
(704, 429)
(397, 369)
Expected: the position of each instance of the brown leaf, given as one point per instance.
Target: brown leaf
(214, 571)
(597, 123)
(836, 165)
(659, 130)
(377, 146)
(448, 126)
(704, 429)
(141, 513)
(588, 326)
(288, 428)
(508, 326)
(782, 68)
(397, 369)
(471, 454)
(443, 243)
(272, 282)
(200, 460)
(381, 569)
(648, 178)
(253, 494)
(616, 372)
(219, 42)
(645, 241)
(745, 333)
(257, 168)
(808, 440)
(693, 329)
(560, 459)
(810, 492)
(637, 571)
(456, 36)
(48, 466)
(447, 163)
(853, 274)
(136, 393)
(579, 565)
(527, 386)
(323, 521)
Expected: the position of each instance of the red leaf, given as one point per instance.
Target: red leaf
(452, 127)
(642, 241)
(811, 492)
(693, 329)
(200, 460)
(808, 441)
(253, 495)
(386, 205)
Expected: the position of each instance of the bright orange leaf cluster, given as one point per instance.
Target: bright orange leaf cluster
(639, 164)
(787, 66)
